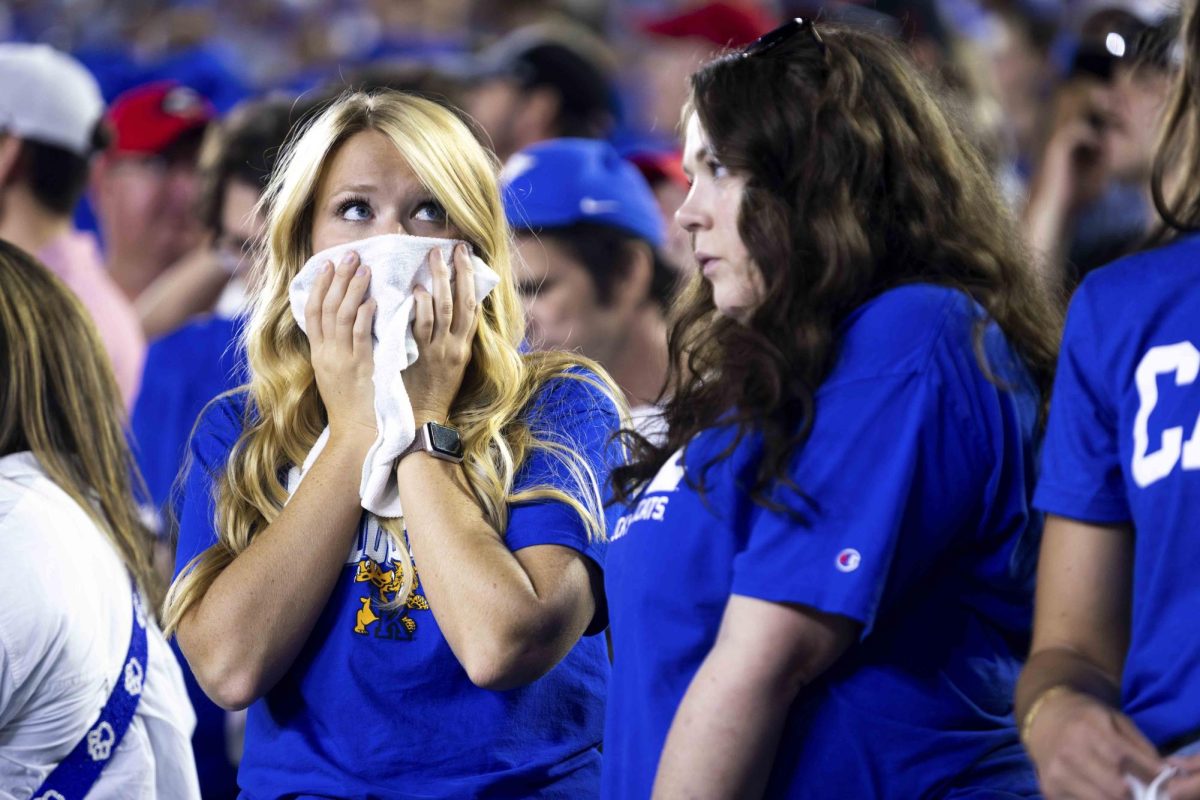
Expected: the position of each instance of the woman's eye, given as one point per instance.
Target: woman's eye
(717, 169)
(354, 210)
(430, 211)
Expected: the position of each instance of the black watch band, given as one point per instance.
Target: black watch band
(439, 441)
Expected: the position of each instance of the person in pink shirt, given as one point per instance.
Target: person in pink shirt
(50, 127)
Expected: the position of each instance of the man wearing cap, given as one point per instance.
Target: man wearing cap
(50, 115)
(542, 82)
(590, 268)
(144, 188)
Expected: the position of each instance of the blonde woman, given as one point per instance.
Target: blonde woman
(447, 654)
(92, 701)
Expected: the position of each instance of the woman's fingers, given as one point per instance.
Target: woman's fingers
(361, 334)
(464, 294)
(352, 300)
(312, 308)
(1138, 755)
(343, 273)
(443, 295)
(422, 315)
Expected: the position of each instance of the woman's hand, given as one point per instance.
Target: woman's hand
(1084, 748)
(1186, 784)
(444, 324)
(339, 337)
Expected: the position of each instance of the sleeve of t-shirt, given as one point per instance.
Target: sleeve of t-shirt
(579, 416)
(876, 443)
(216, 433)
(1081, 462)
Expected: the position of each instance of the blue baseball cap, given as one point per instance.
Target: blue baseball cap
(561, 182)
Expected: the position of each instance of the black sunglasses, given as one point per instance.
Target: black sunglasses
(772, 39)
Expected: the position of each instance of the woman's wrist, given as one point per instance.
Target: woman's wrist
(437, 414)
(352, 438)
(1038, 705)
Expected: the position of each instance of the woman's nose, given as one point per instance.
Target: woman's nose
(691, 215)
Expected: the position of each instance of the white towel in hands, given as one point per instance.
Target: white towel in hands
(398, 263)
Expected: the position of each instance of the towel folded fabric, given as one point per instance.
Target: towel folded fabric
(398, 264)
(1156, 789)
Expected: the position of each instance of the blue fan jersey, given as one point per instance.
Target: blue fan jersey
(1123, 446)
(914, 521)
(376, 705)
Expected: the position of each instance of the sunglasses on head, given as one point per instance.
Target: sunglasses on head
(772, 39)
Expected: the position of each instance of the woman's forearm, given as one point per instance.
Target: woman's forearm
(1060, 666)
(190, 286)
(508, 617)
(725, 734)
(255, 617)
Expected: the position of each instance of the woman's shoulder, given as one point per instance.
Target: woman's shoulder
(1144, 279)
(898, 331)
(220, 424)
(565, 384)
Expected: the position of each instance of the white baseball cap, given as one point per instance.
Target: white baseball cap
(49, 97)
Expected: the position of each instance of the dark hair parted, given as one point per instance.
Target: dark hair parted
(1176, 162)
(856, 182)
(57, 176)
(243, 147)
(607, 253)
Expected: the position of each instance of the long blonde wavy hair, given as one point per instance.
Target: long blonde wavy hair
(59, 400)
(285, 414)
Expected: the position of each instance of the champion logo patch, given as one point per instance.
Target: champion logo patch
(848, 560)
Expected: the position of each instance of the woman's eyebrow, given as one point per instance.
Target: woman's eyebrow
(355, 187)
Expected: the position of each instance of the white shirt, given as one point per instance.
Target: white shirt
(65, 619)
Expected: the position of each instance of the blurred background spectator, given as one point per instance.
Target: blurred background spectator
(542, 82)
(144, 187)
(50, 127)
(590, 266)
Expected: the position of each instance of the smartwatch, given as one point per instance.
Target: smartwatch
(439, 441)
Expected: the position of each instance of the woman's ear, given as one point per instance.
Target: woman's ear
(10, 152)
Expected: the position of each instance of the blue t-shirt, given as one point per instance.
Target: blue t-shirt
(1123, 445)
(184, 370)
(918, 472)
(376, 705)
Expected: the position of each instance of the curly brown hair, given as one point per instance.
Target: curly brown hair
(857, 181)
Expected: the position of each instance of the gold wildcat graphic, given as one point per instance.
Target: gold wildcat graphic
(387, 583)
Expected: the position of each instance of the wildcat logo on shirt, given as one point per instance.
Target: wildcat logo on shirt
(1180, 361)
(375, 556)
(654, 506)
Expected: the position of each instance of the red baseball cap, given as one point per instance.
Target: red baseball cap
(660, 165)
(723, 24)
(150, 118)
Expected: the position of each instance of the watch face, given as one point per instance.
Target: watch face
(445, 440)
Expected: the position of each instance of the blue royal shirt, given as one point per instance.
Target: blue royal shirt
(376, 705)
(1123, 446)
(918, 471)
(184, 371)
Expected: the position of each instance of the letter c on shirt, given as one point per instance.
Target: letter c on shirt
(1182, 359)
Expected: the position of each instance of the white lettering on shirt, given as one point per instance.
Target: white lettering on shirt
(1182, 359)
(372, 542)
(669, 476)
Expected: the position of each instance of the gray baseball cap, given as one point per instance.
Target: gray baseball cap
(49, 97)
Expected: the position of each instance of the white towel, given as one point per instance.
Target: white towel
(1156, 789)
(398, 263)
